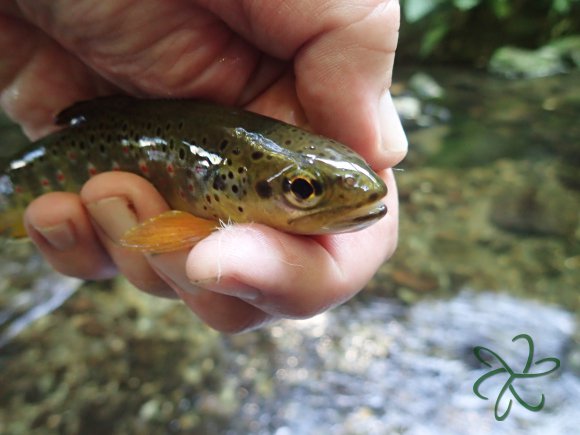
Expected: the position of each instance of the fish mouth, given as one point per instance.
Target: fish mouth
(354, 220)
(358, 218)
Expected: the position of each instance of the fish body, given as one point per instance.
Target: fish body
(214, 162)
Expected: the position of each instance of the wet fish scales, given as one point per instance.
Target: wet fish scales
(207, 160)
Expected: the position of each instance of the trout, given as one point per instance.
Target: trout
(210, 163)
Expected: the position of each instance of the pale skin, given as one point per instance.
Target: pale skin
(322, 63)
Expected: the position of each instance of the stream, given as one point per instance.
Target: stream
(489, 250)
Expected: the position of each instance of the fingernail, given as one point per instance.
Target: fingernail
(393, 136)
(229, 287)
(171, 268)
(113, 216)
(61, 237)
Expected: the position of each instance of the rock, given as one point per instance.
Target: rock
(425, 86)
(536, 203)
(513, 62)
(568, 49)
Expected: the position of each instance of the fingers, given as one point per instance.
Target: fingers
(344, 54)
(287, 275)
(78, 234)
(40, 78)
(60, 227)
(221, 312)
(152, 48)
(117, 201)
(358, 58)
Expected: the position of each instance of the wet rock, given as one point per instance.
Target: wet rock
(391, 369)
(513, 62)
(425, 86)
(568, 48)
(535, 203)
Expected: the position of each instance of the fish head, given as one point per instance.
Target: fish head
(316, 187)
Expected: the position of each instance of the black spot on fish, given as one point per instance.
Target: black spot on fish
(235, 188)
(236, 151)
(373, 196)
(287, 142)
(263, 189)
(241, 209)
(181, 153)
(219, 184)
(257, 155)
(102, 148)
(158, 131)
(230, 175)
(180, 125)
(208, 198)
(217, 198)
(224, 144)
(241, 169)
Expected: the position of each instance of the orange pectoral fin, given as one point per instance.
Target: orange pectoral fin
(167, 232)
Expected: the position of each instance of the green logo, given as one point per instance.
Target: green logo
(512, 377)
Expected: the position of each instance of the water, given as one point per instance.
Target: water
(488, 250)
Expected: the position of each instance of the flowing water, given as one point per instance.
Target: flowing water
(489, 249)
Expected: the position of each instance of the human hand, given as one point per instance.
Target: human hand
(325, 63)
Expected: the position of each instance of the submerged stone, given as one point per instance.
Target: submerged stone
(514, 62)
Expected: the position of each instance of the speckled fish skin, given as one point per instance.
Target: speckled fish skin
(211, 161)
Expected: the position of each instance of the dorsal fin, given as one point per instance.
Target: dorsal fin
(87, 110)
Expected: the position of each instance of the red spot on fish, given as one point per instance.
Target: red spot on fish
(44, 182)
(72, 156)
(115, 166)
(91, 170)
(170, 169)
(181, 193)
(190, 187)
(60, 177)
(125, 149)
(18, 189)
(143, 167)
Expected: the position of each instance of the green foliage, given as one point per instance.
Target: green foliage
(469, 30)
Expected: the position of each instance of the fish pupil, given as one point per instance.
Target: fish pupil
(302, 188)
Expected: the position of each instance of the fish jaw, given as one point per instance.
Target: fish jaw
(339, 219)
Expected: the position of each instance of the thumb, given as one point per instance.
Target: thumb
(342, 80)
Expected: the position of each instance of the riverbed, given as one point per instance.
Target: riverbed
(489, 250)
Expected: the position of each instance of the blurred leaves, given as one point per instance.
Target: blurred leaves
(415, 10)
(470, 30)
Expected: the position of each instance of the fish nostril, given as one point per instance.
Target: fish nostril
(373, 196)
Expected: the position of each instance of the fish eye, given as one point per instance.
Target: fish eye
(302, 188)
(302, 191)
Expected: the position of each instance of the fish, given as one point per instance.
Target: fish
(211, 164)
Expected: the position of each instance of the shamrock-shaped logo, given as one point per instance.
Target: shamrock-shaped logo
(512, 377)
